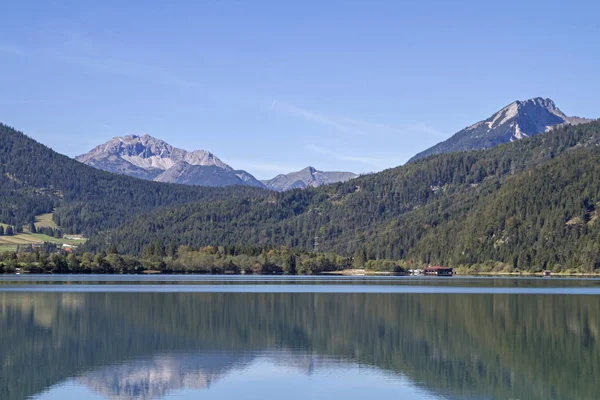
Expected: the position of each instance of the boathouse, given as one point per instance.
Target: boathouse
(438, 270)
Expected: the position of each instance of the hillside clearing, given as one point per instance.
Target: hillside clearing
(45, 221)
(31, 238)
(7, 248)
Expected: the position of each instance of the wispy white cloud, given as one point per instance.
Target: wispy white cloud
(425, 129)
(371, 161)
(76, 50)
(340, 123)
(128, 68)
(354, 126)
(311, 116)
(10, 49)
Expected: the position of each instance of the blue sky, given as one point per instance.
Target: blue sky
(274, 86)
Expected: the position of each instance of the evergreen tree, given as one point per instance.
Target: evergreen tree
(172, 249)
(289, 266)
(148, 251)
(159, 249)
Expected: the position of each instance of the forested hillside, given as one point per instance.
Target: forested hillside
(35, 180)
(530, 204)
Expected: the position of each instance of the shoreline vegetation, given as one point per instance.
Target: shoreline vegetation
(363, 272)
(215, 260)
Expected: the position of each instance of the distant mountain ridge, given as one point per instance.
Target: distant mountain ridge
(149, 158)
(516, 121)
(146, 157)
(307, 177)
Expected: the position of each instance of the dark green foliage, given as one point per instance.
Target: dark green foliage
(526, 205)
(52, 232)
(35, 180)
(205, 260)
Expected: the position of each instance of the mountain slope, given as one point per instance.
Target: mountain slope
(146, 157)
(516, 121)
(308, 177)
(184, 173)
(35, 179)
(455, 209)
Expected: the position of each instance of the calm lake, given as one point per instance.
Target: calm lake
(239, 337)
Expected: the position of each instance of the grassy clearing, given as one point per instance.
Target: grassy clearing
(10, 243)
(29, 238)
(4, 248)
(45, 221)
(45, 238)
(23, 238)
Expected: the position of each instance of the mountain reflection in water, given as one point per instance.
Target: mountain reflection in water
(158, 376)
(147, 345)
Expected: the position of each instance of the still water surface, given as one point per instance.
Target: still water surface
(174, 337)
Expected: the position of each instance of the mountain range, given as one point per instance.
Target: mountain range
(149, 158)
(528, 204)
(146, 157)
(518, 120)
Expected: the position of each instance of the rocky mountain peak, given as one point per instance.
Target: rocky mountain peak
(518, 120)
(147, 157)
(148, 152)
(307, 177)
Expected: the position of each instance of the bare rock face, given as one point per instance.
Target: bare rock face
(146, 157)
(308, 177)
(517, 120)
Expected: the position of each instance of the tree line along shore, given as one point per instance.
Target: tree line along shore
(231, 260)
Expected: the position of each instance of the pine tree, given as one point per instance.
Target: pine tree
(1, 230)
(9, 231)
(159, 249)
(172, 250)
(289, 265)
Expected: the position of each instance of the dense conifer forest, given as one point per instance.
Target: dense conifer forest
(527, 205)
(524, 206)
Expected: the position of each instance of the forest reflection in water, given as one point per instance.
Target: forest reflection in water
(148, 345)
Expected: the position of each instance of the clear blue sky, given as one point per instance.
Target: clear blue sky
(273, 86)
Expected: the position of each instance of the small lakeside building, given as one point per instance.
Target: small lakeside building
(438, 271)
